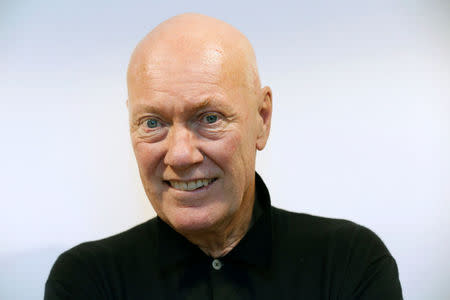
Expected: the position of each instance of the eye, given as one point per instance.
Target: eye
(152, 123)
(151, 129)
(210, 118)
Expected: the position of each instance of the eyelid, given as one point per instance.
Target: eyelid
(209, 113)
(146, 118)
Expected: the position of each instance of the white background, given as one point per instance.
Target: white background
(361, 124)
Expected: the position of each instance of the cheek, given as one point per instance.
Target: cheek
(225, 149)
(231, 145)
(148, 157)
(148, 160)
(232, 153)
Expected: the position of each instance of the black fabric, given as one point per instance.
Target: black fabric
(284, 255)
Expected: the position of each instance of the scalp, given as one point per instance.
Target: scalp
(194, 41)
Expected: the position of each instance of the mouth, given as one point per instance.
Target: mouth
(190, 185)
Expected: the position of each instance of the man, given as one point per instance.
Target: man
(197, 117)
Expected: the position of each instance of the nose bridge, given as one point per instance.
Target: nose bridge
(182, 148)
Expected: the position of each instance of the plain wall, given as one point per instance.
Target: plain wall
(360, 129)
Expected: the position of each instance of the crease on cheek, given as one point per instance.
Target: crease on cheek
(230, 145)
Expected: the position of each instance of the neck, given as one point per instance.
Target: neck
(222, 240)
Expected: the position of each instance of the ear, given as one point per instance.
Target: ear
(265, 117)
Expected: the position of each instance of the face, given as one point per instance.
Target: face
(194, 134)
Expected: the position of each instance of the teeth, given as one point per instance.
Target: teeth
(190, 185)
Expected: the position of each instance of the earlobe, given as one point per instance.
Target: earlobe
(265, 115)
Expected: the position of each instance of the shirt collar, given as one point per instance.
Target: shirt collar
(254, 248)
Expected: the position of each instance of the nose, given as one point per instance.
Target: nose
(182, 150)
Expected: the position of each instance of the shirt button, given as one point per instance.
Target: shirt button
(216, 264)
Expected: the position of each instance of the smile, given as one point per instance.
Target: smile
(190, 185)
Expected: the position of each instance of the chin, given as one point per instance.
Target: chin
(192, 220)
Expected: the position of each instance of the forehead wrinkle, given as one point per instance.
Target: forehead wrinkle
(158, 78)
(168, 59)
(161, 84)
(163, 76)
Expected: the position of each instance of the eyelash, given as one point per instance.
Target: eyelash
(201, 120)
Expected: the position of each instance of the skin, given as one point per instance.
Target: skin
(197, 111)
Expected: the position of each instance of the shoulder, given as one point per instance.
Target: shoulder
(301, 223)
(352, 258)
(327, 233)
(94, 270)
(136, 237)
(110, 253)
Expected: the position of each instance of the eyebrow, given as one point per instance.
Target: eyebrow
(149, 108)
(212, 102)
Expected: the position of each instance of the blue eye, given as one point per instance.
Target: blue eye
(211, 119)
(152, 123)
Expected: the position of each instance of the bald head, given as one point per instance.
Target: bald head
(194, 43)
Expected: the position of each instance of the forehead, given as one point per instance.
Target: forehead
(179, 55)
(185, 74)
(170, 75)
(170, 62)
(168, 89)
(183, 84)
(190, 84)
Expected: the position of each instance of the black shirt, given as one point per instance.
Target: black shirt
(284, 255)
